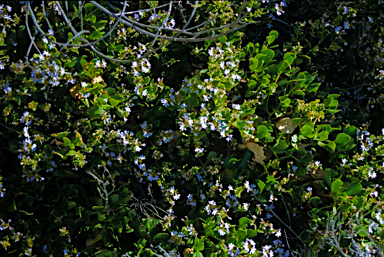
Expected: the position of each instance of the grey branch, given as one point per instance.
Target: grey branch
(184, 34)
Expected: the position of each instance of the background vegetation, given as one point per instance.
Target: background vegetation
(261, 136)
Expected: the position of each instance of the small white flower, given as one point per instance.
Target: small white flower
(236, 106)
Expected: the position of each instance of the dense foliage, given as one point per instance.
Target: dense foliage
(259, 142)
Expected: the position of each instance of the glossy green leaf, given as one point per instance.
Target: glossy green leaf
(353, 188)
(198, 245)
(252, 84)
(283, 65)
(253, 63)
(261, 185)
(351, 131)
(313, 87)
(261, 131)
(307, 131)
(342, 139)
(243, 222)
(329, 146)
(335, 186)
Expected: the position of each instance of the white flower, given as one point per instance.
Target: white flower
(236, 106)
(278, 233)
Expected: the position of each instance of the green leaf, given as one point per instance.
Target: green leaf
(351, 131)
(353, 188)
(358, 202)
(315, 201)
(273, 69)
(226, 160)
(105, 253)
(222, 39)
(240, 234)
(321, 136)
(306, 59)
(71, 153)
(290, 57)
(95, 112)
(238, 191)
(88, 7)
(210, 156)
(161, 238)
(253, 63)
(330, 146)
(197, 254)
(330, 102)
(307, 158)
(327, 178)
(343, 207)
(261, 185)
(261, 131)
(269, 54)
(60, 135)
(313, 87)
(12, 207)
(243, 222)
(283, 65)
(70, 205)
(284, 101)
(233, 163)
(272, 37)
(100, 217)
(113, 201)
(200, 135)
(307, 131)
(344, 142)
(110, 91)
(146, 81)
(335, 186)
(251, 49)
(342, 139)
(198, 245)
(304, 236)
(100, 24)
(362, 233)
(252, 84)
(66, 141)
(298, 92)
(251, 233)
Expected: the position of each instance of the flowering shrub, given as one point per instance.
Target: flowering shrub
(105, 158)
